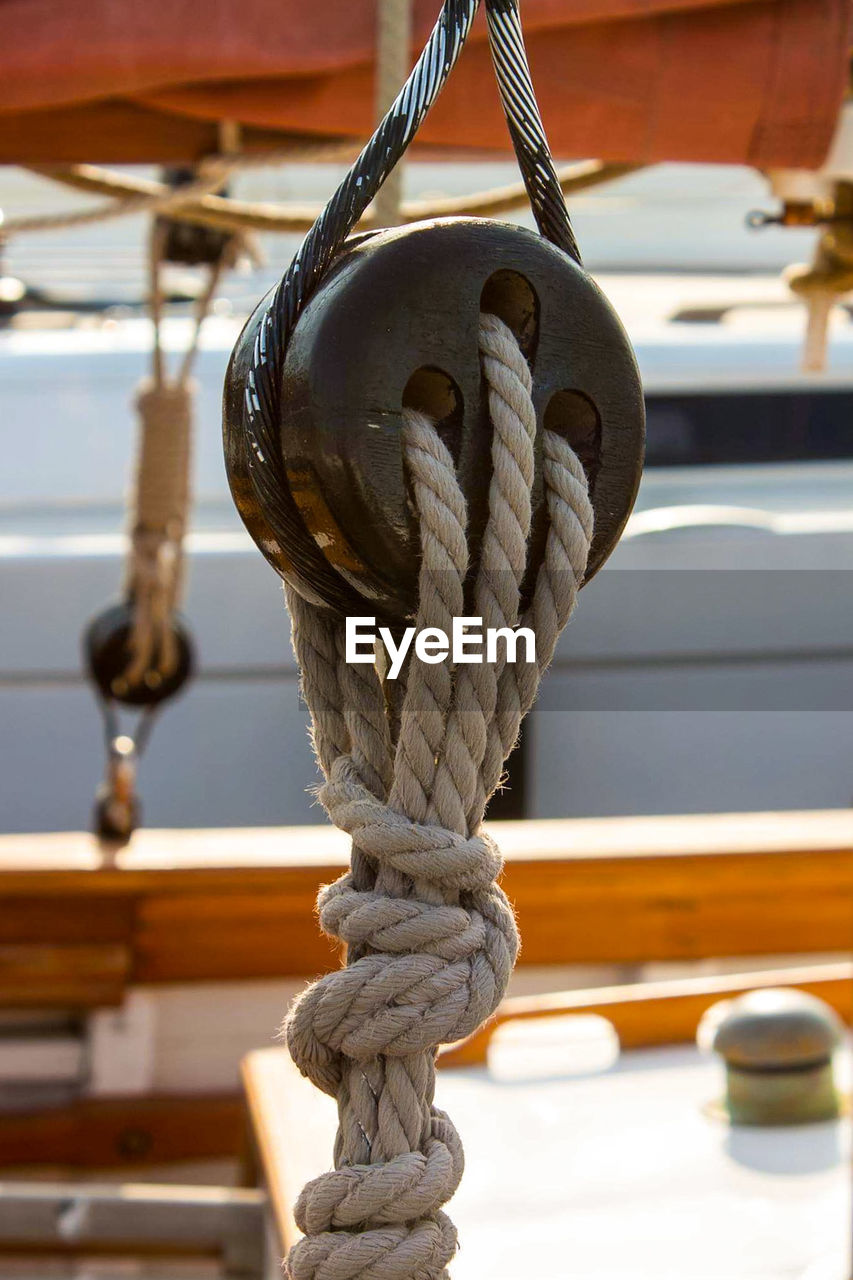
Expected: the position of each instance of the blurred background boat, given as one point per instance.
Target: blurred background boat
(673, 691)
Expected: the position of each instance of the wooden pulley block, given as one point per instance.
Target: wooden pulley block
(107, 656)
(186, 243)
(393, 323)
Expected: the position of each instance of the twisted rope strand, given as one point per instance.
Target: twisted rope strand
(444, 564)
(431, 937)
(161, 488)
(461, 793)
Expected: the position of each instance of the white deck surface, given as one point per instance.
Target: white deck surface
(625, 1175)
(585, 1165)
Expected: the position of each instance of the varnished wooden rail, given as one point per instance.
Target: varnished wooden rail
(292, 1126)
(186, 906)
(104, 1133)
(78, 926)
(645, 1014)
(79, 975)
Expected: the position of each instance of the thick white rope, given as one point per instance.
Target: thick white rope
(408, 770)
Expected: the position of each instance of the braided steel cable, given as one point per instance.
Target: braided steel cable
(388, 144)
(521, 109)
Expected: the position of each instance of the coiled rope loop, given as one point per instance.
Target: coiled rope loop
(409, 765)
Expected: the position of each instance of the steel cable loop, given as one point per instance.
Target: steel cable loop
(512, 71)
(392, 137)
(325, 239)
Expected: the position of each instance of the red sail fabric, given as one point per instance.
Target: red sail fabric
(752, 81)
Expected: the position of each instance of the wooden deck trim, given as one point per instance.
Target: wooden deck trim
(103, 1133)
(48, 858)
(289, 1121)
(657, 1013)
(52, 975)
(137, 1131)
(221, 905)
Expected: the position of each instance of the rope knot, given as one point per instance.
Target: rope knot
(384, 1216)
(421, 1250)
(448, 859)
(155, 567)
(412, 1185)
(409, 766)
(433, 971)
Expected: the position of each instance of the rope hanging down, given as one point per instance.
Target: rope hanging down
(161, 488)
(138, 653)
(409, 766)
(410, 763)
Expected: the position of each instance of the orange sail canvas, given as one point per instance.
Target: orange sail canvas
(753, 81)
